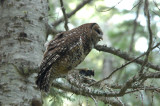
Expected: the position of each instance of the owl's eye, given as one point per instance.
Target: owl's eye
(98, 31)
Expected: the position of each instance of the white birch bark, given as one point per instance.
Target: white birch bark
(22, 37)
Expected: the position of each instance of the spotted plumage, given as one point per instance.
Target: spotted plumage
(67, 50)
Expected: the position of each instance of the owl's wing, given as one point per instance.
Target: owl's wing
(56, 49)
(53, 52)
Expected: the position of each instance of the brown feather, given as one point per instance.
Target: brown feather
(66, 51)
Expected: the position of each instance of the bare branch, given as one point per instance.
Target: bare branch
(65, 16)
(152, 98)
(71, 13)
(135, 27)
(117, 70)
(152, 75)
(109, 8)
(137, 60)
(156, 5)
(126, 56)
(140, 2)
(96, 104)
(79, 88)
(155, 13)
(141, 95)
(134, 88)
(86, 92)
(146, 11)
(127, 85)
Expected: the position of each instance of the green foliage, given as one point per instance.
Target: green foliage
(56, 97)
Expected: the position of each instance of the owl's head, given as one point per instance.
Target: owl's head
(96, 33)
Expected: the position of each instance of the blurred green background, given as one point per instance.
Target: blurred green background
(122, 30)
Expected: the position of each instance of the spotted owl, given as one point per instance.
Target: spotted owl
(67, 50)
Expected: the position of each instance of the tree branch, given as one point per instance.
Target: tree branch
(65, 16)
(135, 27)
(127, 85)
(116, 70)
(86, 92)
(146, 11)
(109, 8)
(156, 4)
(126, 56)
(152, 75)
(72, 13)
(77, 86)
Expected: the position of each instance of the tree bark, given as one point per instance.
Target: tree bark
(22, 38)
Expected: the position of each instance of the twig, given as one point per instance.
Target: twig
(141, 95)
(149, 28)
(152, 75)
(155, 13)
(126, 56)
(135, 26)
(101, 94)
(140, 87)
(109, 8)
(152, 98)
(98, 94)
(133, 60)
(115, 97)
(148, 89)
(65, 16)
(156, 5)
(117, 70)
(127, 85)
(146, 11)
(71, 13)
(94, 100)
(139, 3)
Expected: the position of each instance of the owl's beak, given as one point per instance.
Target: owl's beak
(100, 35)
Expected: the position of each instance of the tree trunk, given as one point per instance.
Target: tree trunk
(22, 37)
(107, 66)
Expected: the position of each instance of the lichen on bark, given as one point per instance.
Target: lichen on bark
(22, 38)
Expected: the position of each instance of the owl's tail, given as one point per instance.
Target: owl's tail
(43, 80)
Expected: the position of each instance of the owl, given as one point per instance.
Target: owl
(67, 50)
